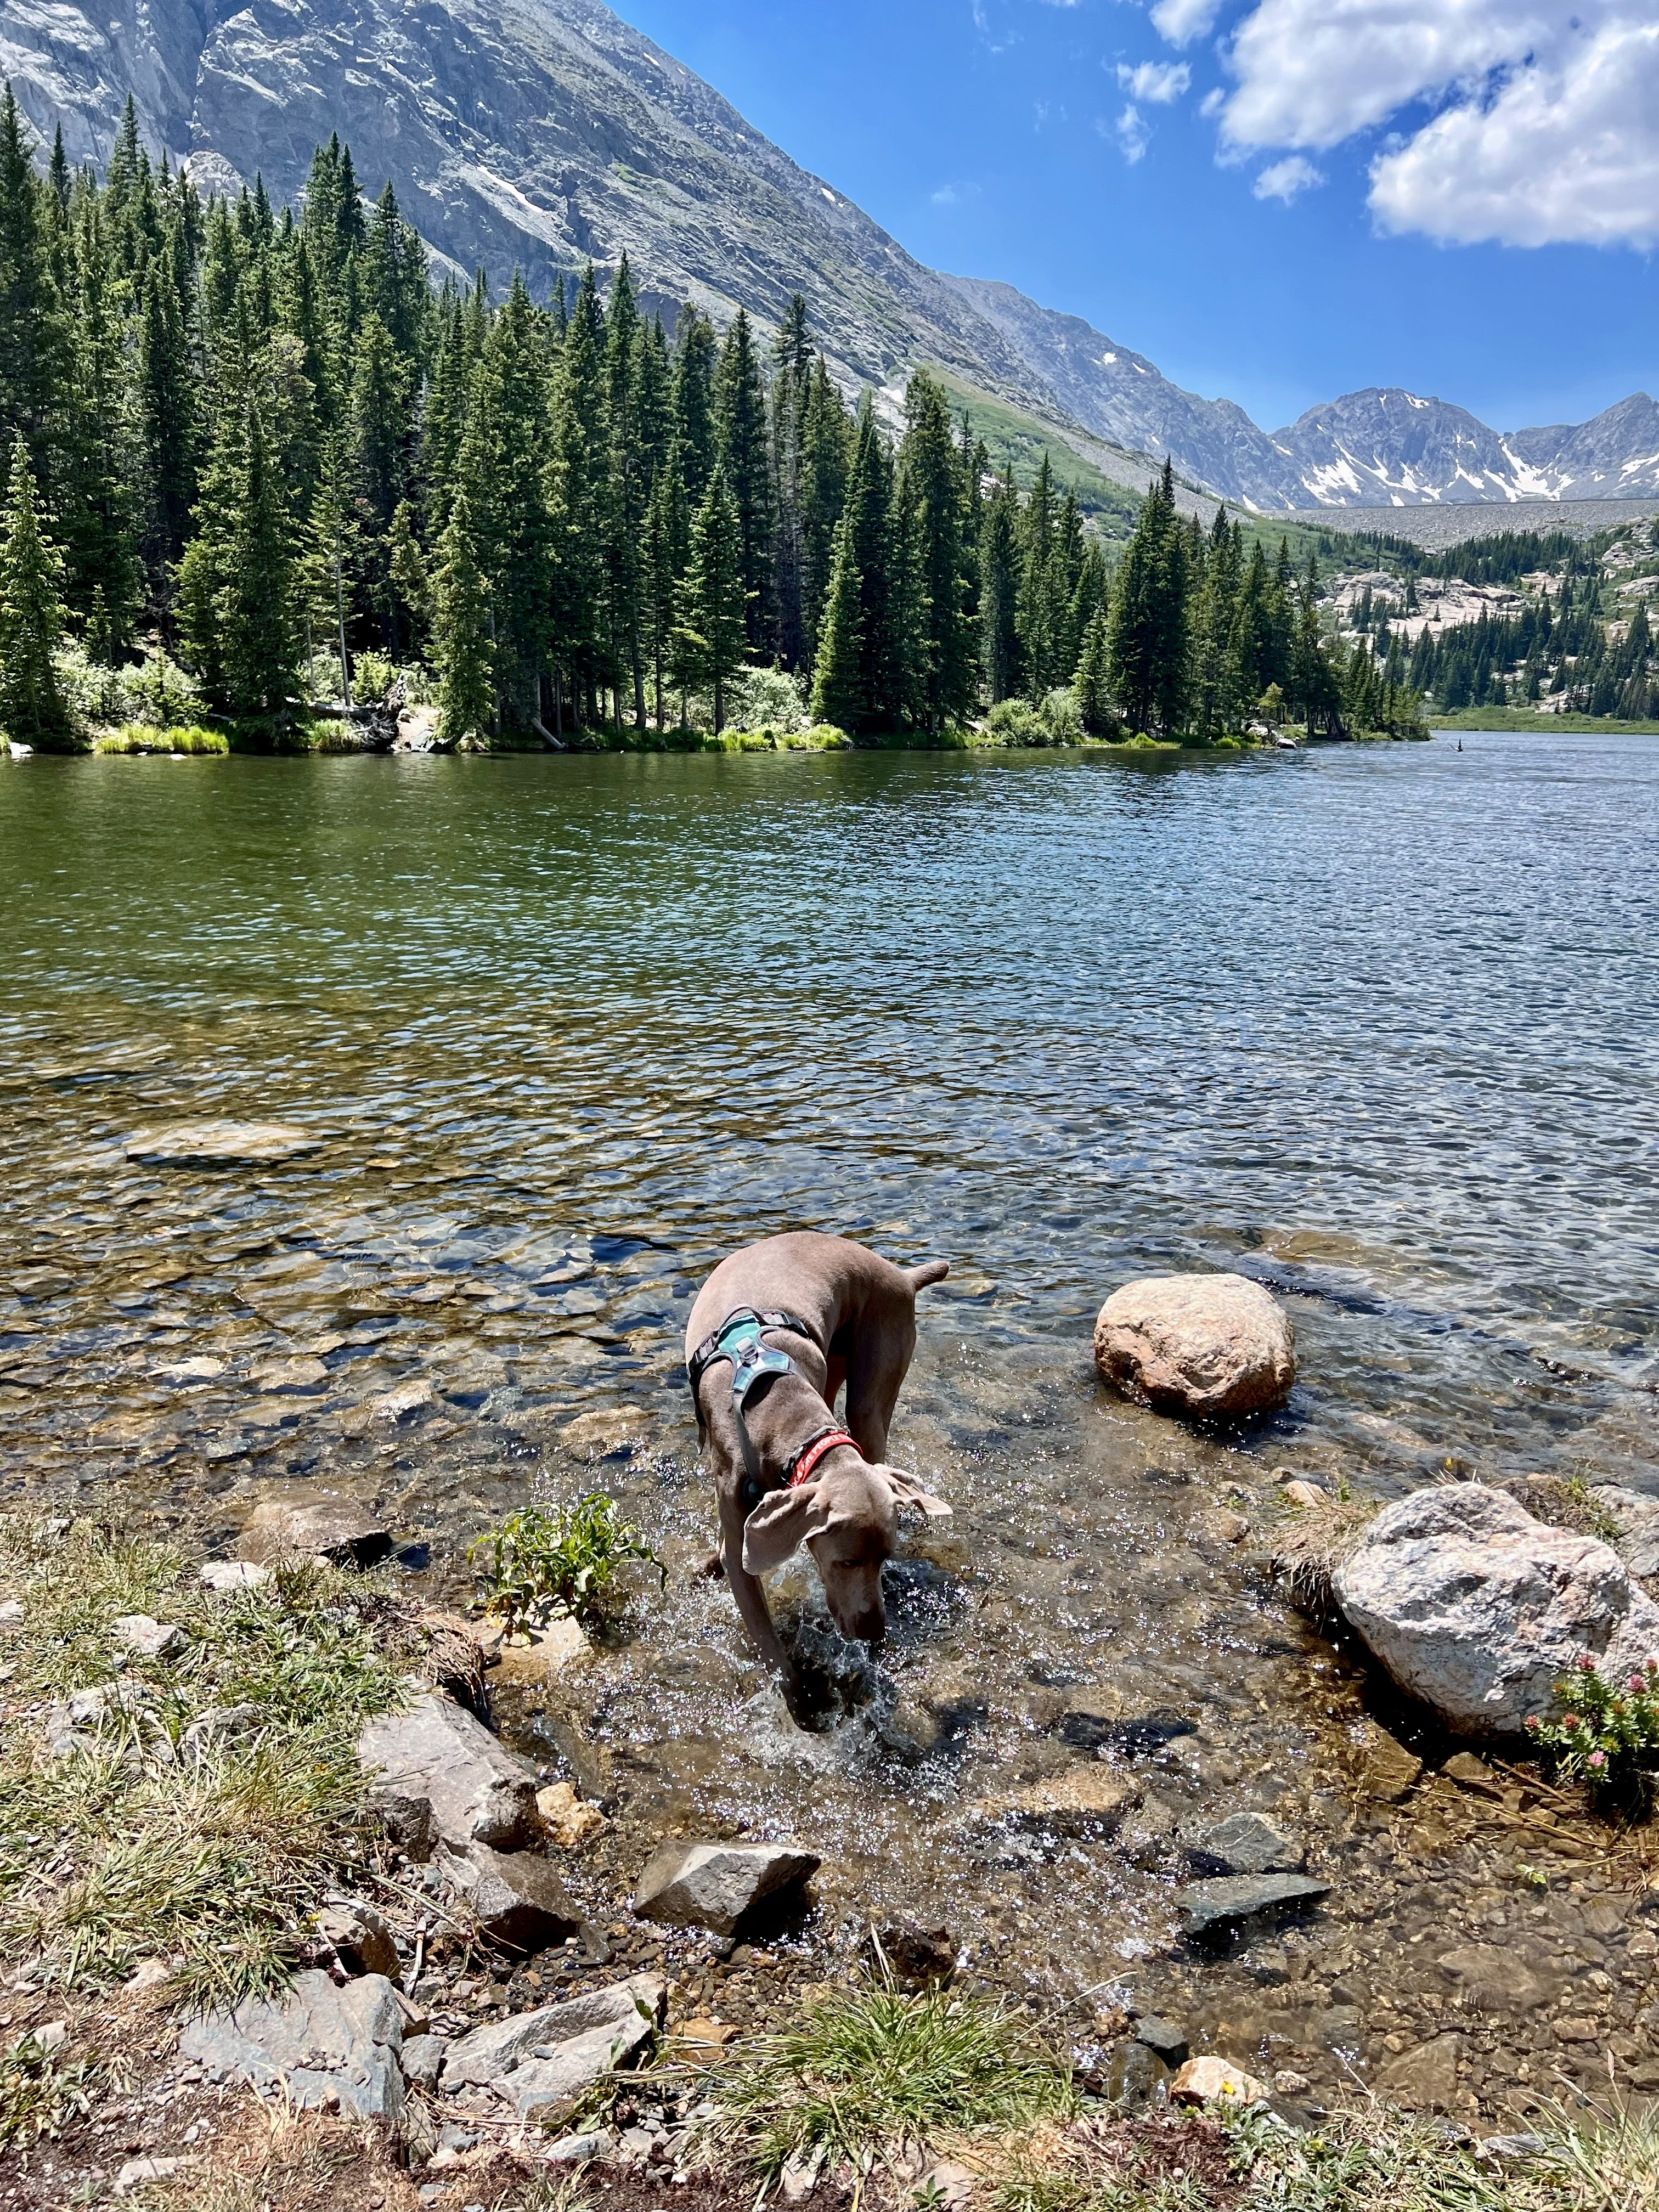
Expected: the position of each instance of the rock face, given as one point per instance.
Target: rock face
(1215, 1347)
(320, 2044)
(1477, 1610)
(712, 1886)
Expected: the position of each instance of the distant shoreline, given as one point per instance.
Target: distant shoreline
(1499, 719)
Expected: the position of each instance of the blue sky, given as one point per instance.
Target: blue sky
(1277, 202)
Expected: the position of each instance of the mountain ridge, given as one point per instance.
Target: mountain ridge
(539, 133)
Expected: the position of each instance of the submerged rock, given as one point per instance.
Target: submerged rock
(221, 1143)
(712, 1886)
(319, 2045)
(1164, 2037)
(1215, 1347)
(917, 1958)
(1248, 1842)
(1477, 1610)
(1208, 1906)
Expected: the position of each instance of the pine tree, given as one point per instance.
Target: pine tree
(1000, 648)
(257, 608)
(944, 658)
(461, 631)
(740, 423)
(695, 361)
(791, 376)
(714, 631)
(629, 485)
(837, 676)
(31, 707)
(826, 457)
(33, 368)
(1092, 681)
(166, 424)
(1149, 641)
(869, 517)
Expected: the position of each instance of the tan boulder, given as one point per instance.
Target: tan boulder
(1215, 1347)
(1202, 2080)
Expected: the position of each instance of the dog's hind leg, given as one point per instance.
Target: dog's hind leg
(880, 1361)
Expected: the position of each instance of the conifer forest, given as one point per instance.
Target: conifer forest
(256, 464)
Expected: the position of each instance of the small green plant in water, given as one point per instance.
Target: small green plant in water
(1606, 1735)
(547, 1564)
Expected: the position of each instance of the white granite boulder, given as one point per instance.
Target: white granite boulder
(1476, 1609)
(1213, 1347)
(690, 1885)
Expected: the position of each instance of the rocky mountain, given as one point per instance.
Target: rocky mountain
(536, 133)
(1381, 448)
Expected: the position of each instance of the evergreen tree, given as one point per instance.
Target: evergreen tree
(713, 632)
(1093, 680)
(31, 707)
(1001, 651)
(695, 360)
(826, 457)
(1148, 641)
(740, 420)
(461, 630)
(33, 338)
(945, 660)
(837, 676)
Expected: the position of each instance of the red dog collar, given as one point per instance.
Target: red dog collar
(808, 1456)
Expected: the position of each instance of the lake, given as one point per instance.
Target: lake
(1377, 1025)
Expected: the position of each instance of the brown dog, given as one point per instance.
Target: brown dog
(785, 1473)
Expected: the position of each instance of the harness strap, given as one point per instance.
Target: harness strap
(739, 1339)
(710, 1349)
(805, 1461)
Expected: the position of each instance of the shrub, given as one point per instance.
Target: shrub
(825, 737)
(1016, 722)
(1062, 718)
(1608, 1733)
(766, 698)
(145, 737)
(545, 1564)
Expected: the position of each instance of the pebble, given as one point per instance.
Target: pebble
(147, 1639)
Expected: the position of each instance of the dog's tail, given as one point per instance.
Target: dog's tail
(930, 1270)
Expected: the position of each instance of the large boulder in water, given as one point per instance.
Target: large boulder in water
(1477, 1610)
(1216, 1347)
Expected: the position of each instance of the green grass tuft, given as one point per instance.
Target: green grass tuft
(39, 2097)
(867, 2070)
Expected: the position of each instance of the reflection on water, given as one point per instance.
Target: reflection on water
(1377, 1026)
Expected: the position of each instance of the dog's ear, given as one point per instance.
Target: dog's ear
(907, 1490)
(780, 1524)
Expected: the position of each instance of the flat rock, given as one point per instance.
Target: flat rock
(691, 1885)
(1213, 1347)
(1089, 1799)
(521, 1904)
(40, 1282)
(1494, 1981)
(577, 2150)
(570, 2069)
(479, 1792)
(317, 2045)
(224, 1576)
(147, 1639)
(202, 1369)
(1382, 1768)
(562, 1648)
(1424, 2079)
(608, 1429)
(301, 1375)
(336, 1529)
(1202, 2080)
(490, 2053)
(1477, 1610)
(1210, 1905)
(403, 1400)
(1248, 1843)
(221, 1143)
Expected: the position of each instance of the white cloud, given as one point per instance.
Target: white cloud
(1544, 114)
(954, 195)
(1283, 181)
(1158, 81)
(1132, 134)
(1181, 22)
(1568, 153)
(1212, 102)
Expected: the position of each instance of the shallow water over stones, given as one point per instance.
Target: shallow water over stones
(1376, 1027)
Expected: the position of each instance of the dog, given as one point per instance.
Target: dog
(785, 1473)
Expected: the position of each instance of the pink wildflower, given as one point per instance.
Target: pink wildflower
(1637, 1682)
(1533, 1721)
(1585, 1663)
(1598, 1759)
(1569, 1720)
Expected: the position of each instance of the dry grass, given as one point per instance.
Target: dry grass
(1312, 1545)
(199, 1817)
